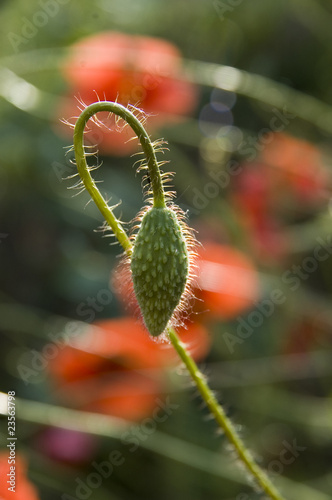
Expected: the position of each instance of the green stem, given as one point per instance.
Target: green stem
(254, 86)
(84, 172)
(224, 422)
(159, 202)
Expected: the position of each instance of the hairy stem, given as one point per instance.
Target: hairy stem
(223, 421)
(159, 202)
(84, 172)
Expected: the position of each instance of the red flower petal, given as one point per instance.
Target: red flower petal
(24, 489)
(131, 396)
(228, 280)
(115, 367)
(130, 69)
(298, 165)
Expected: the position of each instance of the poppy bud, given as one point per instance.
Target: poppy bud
(159, 267)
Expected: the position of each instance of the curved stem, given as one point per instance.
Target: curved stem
(83, 169)
(251, 85)
(223, 421)
(159, 202)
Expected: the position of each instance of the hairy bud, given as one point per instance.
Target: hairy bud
(159, 267)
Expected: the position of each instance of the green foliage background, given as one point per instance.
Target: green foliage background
(52, 260)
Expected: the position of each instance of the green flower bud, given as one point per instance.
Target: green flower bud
(159, 267)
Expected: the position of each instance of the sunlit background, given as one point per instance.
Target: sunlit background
(241, 92)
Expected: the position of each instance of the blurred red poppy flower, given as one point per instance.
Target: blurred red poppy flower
(227, 279)
(309, 334)
(297, 166)
(253, 189)
(288, 178)
(115, 367)
(254, 200)
(226, 283)
(135, 70)
(24, 489)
